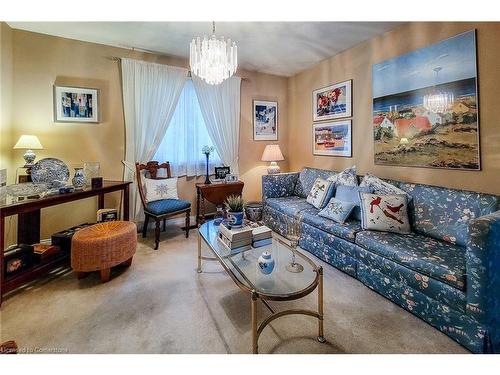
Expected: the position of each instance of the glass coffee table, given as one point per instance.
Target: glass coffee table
(279, 285)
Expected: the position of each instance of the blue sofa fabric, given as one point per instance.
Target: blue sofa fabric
(438, 259)
(446, 272)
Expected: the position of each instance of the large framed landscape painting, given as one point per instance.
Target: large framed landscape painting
(333, 138)
(76, 104)
(425, 107)
(332, 102)
(265, 120)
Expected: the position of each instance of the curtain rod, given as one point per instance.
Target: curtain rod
(116, 59)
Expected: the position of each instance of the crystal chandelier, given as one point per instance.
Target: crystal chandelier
(213, 60)
(437, 101)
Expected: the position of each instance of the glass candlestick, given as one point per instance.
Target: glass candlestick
(293, 230)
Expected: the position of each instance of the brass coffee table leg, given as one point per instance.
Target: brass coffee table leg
(321, 338)
(255, 336)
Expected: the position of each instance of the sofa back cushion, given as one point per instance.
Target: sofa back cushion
(306, 180)
(444, 213)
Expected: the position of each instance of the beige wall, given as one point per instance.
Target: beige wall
(39, 61)
(356, 64)
(5, 99)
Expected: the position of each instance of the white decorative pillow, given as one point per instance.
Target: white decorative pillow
(156, 190)
(386, 213)
(346, 178)
(381, 187)
(320, 193)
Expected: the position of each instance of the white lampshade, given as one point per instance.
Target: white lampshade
(28, 142)
(272, 153)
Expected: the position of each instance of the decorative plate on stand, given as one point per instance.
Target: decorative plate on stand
(50, 171)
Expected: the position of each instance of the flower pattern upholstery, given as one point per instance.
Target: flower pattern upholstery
(278, 185)
(306, 180)
(444, 213)
(460, 297)
(483, 269)
(346, 230)
(437, 259)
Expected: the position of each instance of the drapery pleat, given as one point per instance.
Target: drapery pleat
(150, 95)
(220, 106)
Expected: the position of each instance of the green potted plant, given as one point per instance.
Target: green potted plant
(234, 205)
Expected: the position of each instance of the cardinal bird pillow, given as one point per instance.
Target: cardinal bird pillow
(386, 213)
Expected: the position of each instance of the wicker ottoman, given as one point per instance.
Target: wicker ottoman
(102, 246)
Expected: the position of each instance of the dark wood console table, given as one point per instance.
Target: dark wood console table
(28, 228)
(216, 194)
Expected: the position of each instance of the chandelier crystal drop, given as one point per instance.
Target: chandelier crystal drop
(437, 101)
(213, 60)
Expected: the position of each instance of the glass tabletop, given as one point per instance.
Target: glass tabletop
(243, 266)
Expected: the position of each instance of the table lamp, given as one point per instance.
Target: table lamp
(273, 154)
(28, 143)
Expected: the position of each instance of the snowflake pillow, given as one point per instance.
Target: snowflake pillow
(346, 178)
(156, 190)
(337, 210)
(386, 213)
(321, 192)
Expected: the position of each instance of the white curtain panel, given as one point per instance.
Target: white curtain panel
(220, 106)
(185, 137)
(150, 96)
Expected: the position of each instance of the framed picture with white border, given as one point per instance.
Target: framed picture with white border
(332, 102)
(76, 104)
(265, 120)
(332, 138)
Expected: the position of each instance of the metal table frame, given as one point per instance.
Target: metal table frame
(255, 296)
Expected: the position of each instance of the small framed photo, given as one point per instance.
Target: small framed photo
(332, 102)
(231, 178)
(332, 138)
(265, 120)
(76, 104)
(221, 172)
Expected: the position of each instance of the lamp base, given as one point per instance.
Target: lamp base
(273, 168)
(29, 157)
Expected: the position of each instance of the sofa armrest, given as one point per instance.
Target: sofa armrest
(483, 269)
(278, 185)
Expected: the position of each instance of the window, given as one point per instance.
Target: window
(185, 137)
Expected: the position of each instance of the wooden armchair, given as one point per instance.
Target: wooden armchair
(161, 209)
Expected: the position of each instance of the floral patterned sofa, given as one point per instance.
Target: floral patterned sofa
(447, 271)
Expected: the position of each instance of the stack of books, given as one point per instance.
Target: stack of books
(236, 239)
(244, 238)
(261, 236)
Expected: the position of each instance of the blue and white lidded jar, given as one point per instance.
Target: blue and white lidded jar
(266, 263)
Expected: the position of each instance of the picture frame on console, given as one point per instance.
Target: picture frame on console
(222, 172)
(265, 120)
(332, 138)
(332, 102)
(76, 104)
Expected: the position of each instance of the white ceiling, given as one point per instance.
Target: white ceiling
(282, 48)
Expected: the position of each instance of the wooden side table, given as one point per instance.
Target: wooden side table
(216, 194)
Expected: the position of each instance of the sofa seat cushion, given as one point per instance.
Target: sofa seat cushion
(290, 206)
(437, 259)
(166, 206)
(346, 231)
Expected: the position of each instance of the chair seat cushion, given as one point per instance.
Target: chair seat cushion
(437, 259)
(166, 206)
(290, 206)
(346, 231)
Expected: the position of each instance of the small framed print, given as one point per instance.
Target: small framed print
(332, 138)
(231, 178)
(332, 102)
(76, 104)
(265, 120)
(221, 172)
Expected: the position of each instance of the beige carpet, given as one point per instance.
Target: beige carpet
(161, 305)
